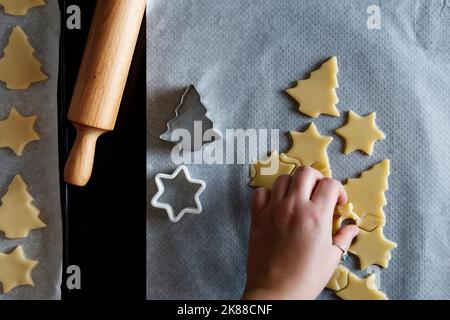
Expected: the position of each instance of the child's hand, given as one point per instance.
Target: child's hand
(291, 252)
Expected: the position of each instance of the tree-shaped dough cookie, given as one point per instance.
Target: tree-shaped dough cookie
(17, 131)
(360, 133)
(317, 95)
(366, 193)
(20, 7)
(310, 148)
(15, 269)
(18, 67)
(17, 213)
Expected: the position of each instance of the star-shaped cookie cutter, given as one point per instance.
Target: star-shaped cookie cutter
(168, 207)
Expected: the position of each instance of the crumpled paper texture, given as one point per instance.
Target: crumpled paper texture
(39, 164)
(241, 55)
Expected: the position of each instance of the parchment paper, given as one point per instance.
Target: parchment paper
(241, 55)
(39, 164)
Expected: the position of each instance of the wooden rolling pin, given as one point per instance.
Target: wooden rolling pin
(101, 80)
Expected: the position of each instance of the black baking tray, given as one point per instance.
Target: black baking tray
(104, 223)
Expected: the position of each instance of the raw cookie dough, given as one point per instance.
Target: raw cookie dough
(372, 248)
(15, 269)
(20, 7)
(17, 213)
(367, 192)
(18, 67)
(344, 212)
(370, 222)
(339, 280)
(360, 133)
(317, 95)
(361, 289)
(310, 148)
(17, 131)
(264, 173)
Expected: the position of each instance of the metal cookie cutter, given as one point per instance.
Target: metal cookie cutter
(180, 193)
(191, 124)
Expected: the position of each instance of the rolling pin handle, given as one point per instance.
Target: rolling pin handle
(79, 165)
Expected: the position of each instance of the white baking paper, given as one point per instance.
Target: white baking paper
(394, 59)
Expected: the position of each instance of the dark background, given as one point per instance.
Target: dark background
(105, 222)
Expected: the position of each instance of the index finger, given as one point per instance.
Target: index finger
(328, 194)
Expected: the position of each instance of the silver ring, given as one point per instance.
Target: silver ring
(344, 252)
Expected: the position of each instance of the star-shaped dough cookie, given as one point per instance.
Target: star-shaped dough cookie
(317, 95)
(310, 148)
(372, 248)
(361, 289)
(20, 7)
(18, 215)
(186, 189)
(360, 133)
(17, 131)
(339, 280)
(15, 269)
(264, 173)
(366, 193)
(18, 67)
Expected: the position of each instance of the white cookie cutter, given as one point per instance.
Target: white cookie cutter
(166, 206)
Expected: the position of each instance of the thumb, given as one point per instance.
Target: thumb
(343, 238)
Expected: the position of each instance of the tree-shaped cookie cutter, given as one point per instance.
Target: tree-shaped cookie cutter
(190, 119)
(175, 217)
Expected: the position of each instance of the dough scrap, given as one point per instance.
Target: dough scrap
(264, 173)
(360, 133)
(344, 212)
(282, 164)
(17, 213)
(17, 131)
(15, 269)
(18, 67)
(20, 7)
(370, 222)
(310, 148)
(339, 280)
(372, 248)
(284, 158)
(361, 289)
(366, 193)
(317, 95)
